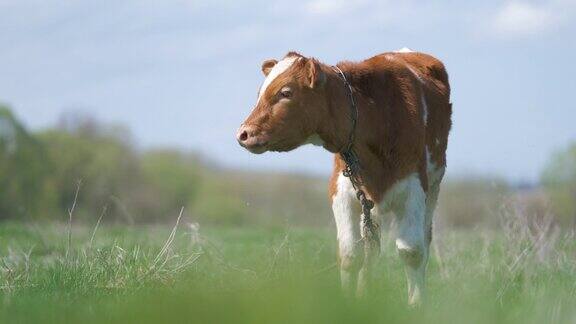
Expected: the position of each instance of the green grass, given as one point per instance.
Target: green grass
(251, 275)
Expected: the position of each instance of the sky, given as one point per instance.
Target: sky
(185, 73)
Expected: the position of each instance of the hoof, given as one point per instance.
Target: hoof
(414, 302)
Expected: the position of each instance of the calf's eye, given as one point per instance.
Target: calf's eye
(286, 93)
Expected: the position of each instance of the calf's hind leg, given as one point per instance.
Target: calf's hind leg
(412, 241)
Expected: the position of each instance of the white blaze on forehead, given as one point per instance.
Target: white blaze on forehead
(275, 72)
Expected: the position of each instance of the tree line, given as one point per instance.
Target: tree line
(98, 167)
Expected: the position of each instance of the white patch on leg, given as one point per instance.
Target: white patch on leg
(408, 200)
(278, 69)
(346, 223)
(411, 227)
(394, 198)
(348, 232)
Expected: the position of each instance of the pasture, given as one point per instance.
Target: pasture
(137, 117)
(523, 273)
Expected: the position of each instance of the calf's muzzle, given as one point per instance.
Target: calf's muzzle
(251, 139)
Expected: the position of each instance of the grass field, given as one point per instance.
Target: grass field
(250, 275)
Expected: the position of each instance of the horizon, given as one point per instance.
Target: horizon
(213, 164)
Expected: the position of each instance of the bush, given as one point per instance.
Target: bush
(26, 189)
(98, 158)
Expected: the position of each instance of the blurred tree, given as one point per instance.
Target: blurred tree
(170, 180)
(24, 184)
(39, 174)
(559, 180)
(100, 157)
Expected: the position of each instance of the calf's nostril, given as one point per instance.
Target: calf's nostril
(243, 136)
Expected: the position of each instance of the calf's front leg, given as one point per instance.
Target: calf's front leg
(350, 256)
(371, 250)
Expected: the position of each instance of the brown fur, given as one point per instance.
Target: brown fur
(391, 137)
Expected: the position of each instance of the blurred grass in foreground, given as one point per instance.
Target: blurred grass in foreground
(136, 274)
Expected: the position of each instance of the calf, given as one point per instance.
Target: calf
(397, 130)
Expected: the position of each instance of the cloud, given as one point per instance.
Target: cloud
(331, 7)
(519, 19)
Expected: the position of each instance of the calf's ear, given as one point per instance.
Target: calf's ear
(268, 65)
(315, 73)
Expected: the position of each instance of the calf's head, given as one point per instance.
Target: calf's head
(290, 107)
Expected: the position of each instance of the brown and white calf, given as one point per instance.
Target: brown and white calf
(404, 117)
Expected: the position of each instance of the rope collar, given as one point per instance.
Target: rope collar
(352, 170)
(353, 107)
